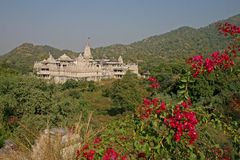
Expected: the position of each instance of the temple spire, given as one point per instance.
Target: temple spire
(87, 51)
(120, 60)
(88, 40)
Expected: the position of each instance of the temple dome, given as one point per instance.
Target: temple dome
(80, 58)
(64, 57)
(44, 61)
(51, 59)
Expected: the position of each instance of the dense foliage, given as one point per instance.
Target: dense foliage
(126, 93)
(27, 102)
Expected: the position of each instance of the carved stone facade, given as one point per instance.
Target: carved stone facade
(82, 68)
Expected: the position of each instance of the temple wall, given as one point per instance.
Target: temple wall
(81, 69)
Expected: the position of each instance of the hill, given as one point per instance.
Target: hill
(22, 57)
(174, 45)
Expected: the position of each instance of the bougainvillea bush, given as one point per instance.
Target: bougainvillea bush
(194, 124)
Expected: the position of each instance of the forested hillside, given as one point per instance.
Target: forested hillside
(179, 43)
(22, 57)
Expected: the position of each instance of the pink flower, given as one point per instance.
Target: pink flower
(195, 75)
(89, 155)
(158, 111)
(124, 157)
(209, 65)
(147, 102)
(215, 55)
(155, 85)
(78, 153)
(152, 79)
(189, 102)
(183, 121)
(97, 140)
(193, 136)
(86, 146)
(155, 102)
(163, 106)
(184, 104)
(197, 58)
(110, 154)
(177, 136)
(177, 109)
(229, 29)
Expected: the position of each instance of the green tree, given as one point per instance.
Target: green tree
(127, 93)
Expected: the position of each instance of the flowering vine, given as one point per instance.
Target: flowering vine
(183, 121)
(91, 151)
(217, 60)
(153, 83)
(228, 29)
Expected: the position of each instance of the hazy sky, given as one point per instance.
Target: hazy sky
(66, 24)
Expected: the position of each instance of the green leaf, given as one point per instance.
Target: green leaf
(181, 91)
(191, 80)
(169, 139)
(101, 151)
(186, 96)
(182, 87)
(202, 156)
(183, 80)
(192, 156)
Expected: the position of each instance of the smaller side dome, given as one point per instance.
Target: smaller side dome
(80, 58)
(64, 57)
(51, 59)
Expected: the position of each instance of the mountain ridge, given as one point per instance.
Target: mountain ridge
(178, 44)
